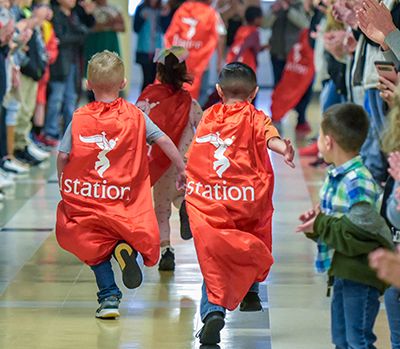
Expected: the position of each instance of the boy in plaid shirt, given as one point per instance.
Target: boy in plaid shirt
(344, 128)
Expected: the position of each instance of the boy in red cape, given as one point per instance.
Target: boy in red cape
(197, 27)
(102, 165)
(246, 44)
(229, 198)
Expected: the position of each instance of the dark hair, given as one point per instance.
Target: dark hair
(252, 13)
(148, 4)
(347, 124)
(237, 80)
(173, 73)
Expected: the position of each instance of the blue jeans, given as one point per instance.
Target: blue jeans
(105, 281)
(206, 307)
(329, 95)
(373, 158)
(62, 99)
(354, 309)
(392, 304)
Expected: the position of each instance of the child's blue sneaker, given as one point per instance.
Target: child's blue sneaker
(126, 258)
(108, 308)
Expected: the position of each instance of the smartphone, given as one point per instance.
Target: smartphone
(387, 70)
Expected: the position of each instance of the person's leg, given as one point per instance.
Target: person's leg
(338, 321)
(361, 307)
(277, 67)
(301, 107)
(54, 105)
(105, 281)
(251, 302)
(149, 73)
(212, 316)
(70, 97)
(392, 305)
(28, 92)
(163, 194)
(109, 294)
(373, 158)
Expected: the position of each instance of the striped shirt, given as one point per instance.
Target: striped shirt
(344, 186)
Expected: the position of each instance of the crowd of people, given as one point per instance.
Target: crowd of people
(45, 52)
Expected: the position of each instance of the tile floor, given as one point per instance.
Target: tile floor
(48, 297)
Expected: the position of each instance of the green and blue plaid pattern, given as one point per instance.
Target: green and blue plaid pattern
(344, 186)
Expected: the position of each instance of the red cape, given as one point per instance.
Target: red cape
(297, 77)
(229, 201)
(194, 26)
(105, 188)
(169, 110)
(246, 57)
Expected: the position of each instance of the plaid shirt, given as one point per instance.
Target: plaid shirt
(344, 186)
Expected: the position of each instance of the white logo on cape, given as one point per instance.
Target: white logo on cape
(105, 145)
(221, 146)
(296, 52)
(145, 106)
(192, 22)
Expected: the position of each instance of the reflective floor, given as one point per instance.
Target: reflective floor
(48, 297)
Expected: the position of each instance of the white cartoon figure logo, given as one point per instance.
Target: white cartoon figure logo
(145, 106)
(297, 54)
(192, 22)
(221, 146)
(105, 145)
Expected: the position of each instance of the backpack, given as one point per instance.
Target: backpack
(36, 61)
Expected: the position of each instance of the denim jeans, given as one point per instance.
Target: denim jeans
(354, 309)
(329, 96)
(206, 307)
(62, 99)
(105, 281)
(392, 305)
(373, 158)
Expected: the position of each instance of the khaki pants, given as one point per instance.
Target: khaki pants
(28, 92)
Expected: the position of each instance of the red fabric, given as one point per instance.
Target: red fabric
(106, 195)
(52, 53)
(169, 110)
(240, 37)
(229, 201)
(200, 38)
(297, 77)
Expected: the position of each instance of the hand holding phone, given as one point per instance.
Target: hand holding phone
(387, 70)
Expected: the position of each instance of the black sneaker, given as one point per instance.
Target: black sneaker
(213, 324)
(108, 308)
(126, 258)
(167, 261)
(186, 233)
(26, 158)
(250, 302)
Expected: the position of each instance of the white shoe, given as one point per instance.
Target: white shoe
(14, 166)
(5, 181)
(38, 153)
(1, 196)
(8, 175)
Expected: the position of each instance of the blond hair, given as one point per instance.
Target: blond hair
(106, 70)
(391, 135)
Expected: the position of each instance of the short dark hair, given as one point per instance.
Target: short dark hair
(252, 13)
(237, 80)
(347, 124)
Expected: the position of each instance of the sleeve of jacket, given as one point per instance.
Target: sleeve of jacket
(343, 236)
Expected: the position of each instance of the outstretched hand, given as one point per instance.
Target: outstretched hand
(288, 153)
(307, 219)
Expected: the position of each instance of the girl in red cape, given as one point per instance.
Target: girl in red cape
(172, 109)
(106, 207)
(229, 198)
